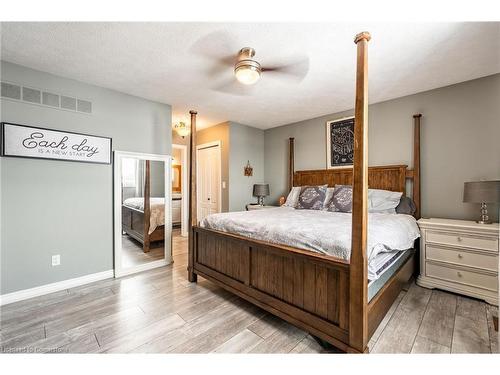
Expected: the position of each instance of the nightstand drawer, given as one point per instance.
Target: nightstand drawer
(456, 256)
(462, 240)
(479, 280)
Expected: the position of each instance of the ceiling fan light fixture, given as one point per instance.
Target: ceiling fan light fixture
(248, 75)
(247, 70)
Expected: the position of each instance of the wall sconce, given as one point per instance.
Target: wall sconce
(182, 129)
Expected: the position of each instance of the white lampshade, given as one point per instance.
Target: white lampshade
(247, 75)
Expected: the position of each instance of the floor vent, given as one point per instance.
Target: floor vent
(44, 98)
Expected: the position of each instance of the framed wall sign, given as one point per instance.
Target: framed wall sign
(33, 142)
(340, 143)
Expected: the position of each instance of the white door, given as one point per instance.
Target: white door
(209, 180)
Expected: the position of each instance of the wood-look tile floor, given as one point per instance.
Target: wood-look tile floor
(159, 311)
(134, 255)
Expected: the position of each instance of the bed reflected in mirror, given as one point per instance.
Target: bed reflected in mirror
(144, 212)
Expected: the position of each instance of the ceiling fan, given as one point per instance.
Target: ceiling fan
(242, 71)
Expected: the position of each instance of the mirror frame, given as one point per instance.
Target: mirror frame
(119, 270)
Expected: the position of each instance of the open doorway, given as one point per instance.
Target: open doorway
(180, 190)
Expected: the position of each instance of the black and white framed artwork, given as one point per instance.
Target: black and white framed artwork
(340, 143)
(40, 143)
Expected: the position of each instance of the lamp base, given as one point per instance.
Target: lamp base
(484, 221)
(484, 215)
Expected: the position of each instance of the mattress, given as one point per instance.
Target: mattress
(157, 210)
(320, 231)
(389, 268)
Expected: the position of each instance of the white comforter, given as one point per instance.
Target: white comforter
(321, 231)
(157, 208)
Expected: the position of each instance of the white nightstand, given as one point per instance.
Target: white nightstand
(254, 206)
(460, 256)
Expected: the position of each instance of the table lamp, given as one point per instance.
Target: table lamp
(260, 191)
(482, 192)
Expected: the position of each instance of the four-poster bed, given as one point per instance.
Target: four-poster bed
(136, 215)
(322, 294)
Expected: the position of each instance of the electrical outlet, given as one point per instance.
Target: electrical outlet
(56, 260)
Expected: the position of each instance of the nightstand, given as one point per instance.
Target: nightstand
(254, 206)
(460, 256)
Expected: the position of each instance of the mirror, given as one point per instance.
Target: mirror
(142, 212)
(176, 178)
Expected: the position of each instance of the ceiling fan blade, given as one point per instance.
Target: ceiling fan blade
(233, 87)
(296, 71)
(222, 65)
(218, 46)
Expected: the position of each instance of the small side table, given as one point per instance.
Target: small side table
(255, 206)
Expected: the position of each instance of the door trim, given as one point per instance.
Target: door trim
(217, 144)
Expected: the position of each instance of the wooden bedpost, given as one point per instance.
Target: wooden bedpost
(291, 162)
(416, 164)
(193, 220)
(358, 278)
(147, 206)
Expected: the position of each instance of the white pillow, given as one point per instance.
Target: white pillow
(383, 201)
(293, 197)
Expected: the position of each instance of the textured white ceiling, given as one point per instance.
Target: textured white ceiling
(172, 63)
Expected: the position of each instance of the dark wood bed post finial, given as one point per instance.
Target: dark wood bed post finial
(416, 164)
(291, 162)
(193, 220)
(358, 278)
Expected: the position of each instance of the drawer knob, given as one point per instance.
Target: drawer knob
(459, 274)
(460, 256)
(459, 238)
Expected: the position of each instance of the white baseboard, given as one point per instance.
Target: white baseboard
(21, 295)
(120, 272)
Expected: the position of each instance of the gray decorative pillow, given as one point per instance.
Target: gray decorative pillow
(312, 197)
(341, 200)
(406, 206)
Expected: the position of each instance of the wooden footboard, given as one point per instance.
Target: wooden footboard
(133, 224)
(307, 289)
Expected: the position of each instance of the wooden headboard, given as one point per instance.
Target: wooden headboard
(390, 177)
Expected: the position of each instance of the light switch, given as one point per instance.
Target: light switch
(223, 184)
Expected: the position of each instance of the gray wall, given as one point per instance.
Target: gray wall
(247, 144)
(460, 142)
(157, 175)
(55, 207)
